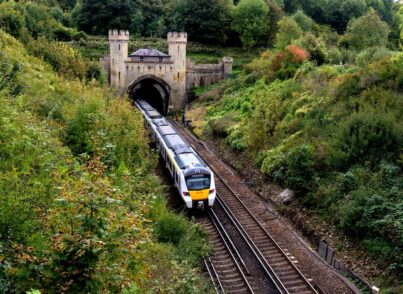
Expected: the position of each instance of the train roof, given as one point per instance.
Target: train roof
(160, 122)
(196, 171)
(174, 139)
(153, 114)
(144, 104)
(189, 161)
(166, 130)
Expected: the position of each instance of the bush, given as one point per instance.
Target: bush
(300, 173)
(368, 31)
(12, 21)
(372, 54)
(63, 58)
(236, 139)
(366, 137)
(288, 30)
(82, 127)
(334, 56)
(314, 46)
(170, 228)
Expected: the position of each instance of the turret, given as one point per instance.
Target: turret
(228, 61)
(119, 50)
(177, 50)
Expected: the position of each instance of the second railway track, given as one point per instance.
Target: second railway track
(275, 261)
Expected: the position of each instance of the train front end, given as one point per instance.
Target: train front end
(199, 188)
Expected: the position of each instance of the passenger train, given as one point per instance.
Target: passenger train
(192, 177)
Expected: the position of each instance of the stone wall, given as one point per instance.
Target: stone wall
(174, 73)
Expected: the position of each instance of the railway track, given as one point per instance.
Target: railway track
(225, 266)
(276, 261)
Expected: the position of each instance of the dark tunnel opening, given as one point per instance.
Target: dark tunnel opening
(152, 91)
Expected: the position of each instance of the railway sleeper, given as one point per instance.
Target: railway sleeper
(240, 290)
(218, 246)
(268, 252)
(224, 255)
(220, 252)
(293, 283)
(234, 283)
(298, 289)
(276, 257)
(291, 277)
(224, 266)
(285, 272)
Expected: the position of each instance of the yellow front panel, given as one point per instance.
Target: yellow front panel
(199, 195)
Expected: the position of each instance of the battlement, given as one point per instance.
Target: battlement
(177, 37)
(122, 35)
(227, 59)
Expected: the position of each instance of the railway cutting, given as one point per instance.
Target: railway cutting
(246, 257)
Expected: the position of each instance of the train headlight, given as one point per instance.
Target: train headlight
(211, 191)
(186, 194)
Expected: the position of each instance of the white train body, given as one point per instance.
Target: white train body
(192, 177)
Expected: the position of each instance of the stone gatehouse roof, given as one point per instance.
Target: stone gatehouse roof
(148, 53)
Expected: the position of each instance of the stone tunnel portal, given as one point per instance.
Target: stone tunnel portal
(153, 90)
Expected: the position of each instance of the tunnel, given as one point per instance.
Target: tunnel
(153, 90)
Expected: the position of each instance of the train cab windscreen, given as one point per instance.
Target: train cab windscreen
(198, 182)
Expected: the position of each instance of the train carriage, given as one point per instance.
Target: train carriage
(192, 177)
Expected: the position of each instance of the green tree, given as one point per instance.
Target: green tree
(251, 19)
(152, 12)
(98, 16)
(304, 21)
(288, 30)
(344, 11)
(368, 31)
(203, 20)
(400, 20)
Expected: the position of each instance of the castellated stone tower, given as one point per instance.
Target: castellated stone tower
(164, 80)
(118, 46)
(177, 43)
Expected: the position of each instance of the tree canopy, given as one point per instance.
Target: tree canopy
(368, 31)
(250, 20)
(203, 20)
(97, 17)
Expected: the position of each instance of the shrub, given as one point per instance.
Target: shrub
(368, 31)
(304, 21)
(11, 20)
(274, 164)
(314, 46)
(63, 58)
(82, 126)
(288, 30)
(170, 228)
(236, 139)
(372, 54)
(300, 173)
(220, 125)
(366, 137)
(334, 56)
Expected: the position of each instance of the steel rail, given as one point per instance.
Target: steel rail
(276, 279)
(214, 221)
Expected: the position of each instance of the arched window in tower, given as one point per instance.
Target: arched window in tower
(178, 49)
(178, 75)
(119, 76)
(119, 47)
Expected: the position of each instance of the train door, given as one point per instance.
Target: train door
(177, 180)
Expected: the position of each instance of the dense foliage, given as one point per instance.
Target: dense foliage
(247, 22)
(80, 207)
(322, 114)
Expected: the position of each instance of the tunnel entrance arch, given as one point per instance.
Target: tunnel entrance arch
(152, 89)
